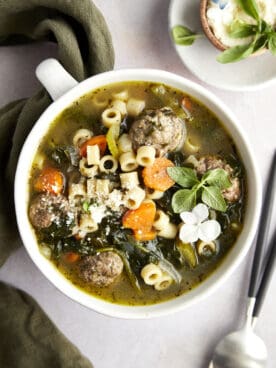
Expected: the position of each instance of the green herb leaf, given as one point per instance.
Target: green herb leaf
(249, 7)
(218, 178)
(272, 43)
(240, 29)
(85, 206)
(183, 176)
(183, 200)
(236, 53)
(183, 35)
(213, 198)
(260, 43)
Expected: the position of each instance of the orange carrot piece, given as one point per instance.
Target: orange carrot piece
(187, 103)
(99, 140)
(71, 257)
(49, 180)
(145, 236)
(156, 176)
(142, 218)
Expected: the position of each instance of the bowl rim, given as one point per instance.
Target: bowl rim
(233, 259)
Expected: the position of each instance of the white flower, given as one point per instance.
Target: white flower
(194, 227)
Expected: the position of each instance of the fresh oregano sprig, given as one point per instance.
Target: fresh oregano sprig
(208, 188)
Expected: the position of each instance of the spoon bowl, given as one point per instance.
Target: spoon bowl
(240, 349)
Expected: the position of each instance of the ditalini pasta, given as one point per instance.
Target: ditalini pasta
(81, 135)
(135, 106)
(111, 116)
(124, 143)
(161, 220)
(145, 155)
(93, 155)
(118, 188)
(129, 180)
(169, 231)
(151, 274)
(108, 164)
(128, 161)
(134, 197)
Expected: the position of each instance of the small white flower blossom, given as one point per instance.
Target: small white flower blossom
(196, 226)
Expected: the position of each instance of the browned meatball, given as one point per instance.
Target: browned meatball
(46, 208)
(205, 163)
(159, 128)
(101, 269)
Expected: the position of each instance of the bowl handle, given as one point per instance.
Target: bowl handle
(54, 78)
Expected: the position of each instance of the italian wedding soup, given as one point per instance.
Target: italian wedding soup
(137, 193)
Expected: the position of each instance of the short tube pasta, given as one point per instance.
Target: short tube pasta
(164, 282)
(119, 105)
(154, 194)
(135, 106)
(134, 197)
(145, 155)
(129, 180)
(128, 161)
(102, 187)
(124, 143)
(76, 190)
(93, 155)
(110, 117)
(161, 220)
(81, 136)
(151, 274)
(191, 146)
(99, 102)
(121, 95)
(169, 231)
(204, 247)
(87, 224)
(108, 164)
(86, 170)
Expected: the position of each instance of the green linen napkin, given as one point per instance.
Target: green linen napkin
(28, 338)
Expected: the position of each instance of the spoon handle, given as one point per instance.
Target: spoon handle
(263, 231)
(268, 272)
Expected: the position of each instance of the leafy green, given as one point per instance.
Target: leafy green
(272, 43)
(236, 53)
(213, 198)
(183, 176)
(218, 178)
(239, 29)
(183, 200)
(208, 188)
(183, 35)
(250, 7)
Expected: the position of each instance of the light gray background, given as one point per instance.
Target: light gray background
(186, 339)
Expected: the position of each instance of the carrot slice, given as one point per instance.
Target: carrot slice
(140, 219)
(187, 103)
(71, 257)
(99, 140)
(49, 180)
(156, 176)
(145, 236)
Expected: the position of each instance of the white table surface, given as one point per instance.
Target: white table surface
(185, 339)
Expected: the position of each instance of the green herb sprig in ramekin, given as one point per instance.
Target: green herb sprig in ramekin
(264, 36)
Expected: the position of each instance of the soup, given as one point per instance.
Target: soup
(137, 193)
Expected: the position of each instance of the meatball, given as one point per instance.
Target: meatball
(205, 163)
(47, 208)
(102, 269)
(159, 128)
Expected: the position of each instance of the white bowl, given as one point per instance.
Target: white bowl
(60, 83)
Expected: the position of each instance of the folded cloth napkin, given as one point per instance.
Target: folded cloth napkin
(28, 338)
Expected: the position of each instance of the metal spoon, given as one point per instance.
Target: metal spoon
(243, 348)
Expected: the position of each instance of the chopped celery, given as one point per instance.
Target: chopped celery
(112, 138)
(188, 253)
